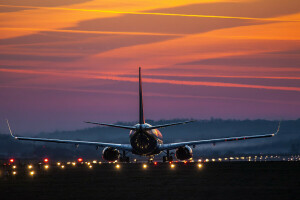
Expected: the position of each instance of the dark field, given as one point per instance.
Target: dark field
(222, 180)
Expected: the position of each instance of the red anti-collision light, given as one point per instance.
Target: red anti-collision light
(155, 163)
(80, 159)
(46, 160)
(12, 160)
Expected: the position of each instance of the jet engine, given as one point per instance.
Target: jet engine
(110, 154)
(184, 153)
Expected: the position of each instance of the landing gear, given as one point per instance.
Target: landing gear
(124, 158)
(167, 158)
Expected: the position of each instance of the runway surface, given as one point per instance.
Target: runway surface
(220, 180)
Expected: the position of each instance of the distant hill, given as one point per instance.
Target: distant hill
(287, 141)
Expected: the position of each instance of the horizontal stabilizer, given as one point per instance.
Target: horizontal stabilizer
(113, 125)
(166, 125)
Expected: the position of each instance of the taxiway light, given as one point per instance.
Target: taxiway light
(145, 166)
(118, 166)
(62, 166)
(73, 163)
(58, 163)
(11, 160)
(46, 167)
(172, 166)
(32, 173)
(90, 166)
(94, 161)
(46, 160)
(14, 167)
(14, 173)
(199, 166)
(79, 159)
(29, 166)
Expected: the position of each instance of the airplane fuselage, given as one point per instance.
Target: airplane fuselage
(145, 142)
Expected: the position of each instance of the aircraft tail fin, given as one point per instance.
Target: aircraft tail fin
(141, 107)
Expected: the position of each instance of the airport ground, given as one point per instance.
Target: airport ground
(218, 180)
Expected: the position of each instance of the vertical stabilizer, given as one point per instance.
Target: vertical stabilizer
(141, 107)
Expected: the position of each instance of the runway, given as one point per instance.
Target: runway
(219, 180)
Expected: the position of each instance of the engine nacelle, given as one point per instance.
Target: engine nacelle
(110, 154)
(184, 153)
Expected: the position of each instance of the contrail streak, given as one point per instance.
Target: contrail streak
(149, 13)
(89, 32)
(158, 81)
(150, 94)
(224, 76)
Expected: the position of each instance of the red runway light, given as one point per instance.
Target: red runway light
(12, 160)
(80, 159)
(46, 160)
(155, 163)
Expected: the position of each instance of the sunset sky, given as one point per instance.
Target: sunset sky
(66, 61)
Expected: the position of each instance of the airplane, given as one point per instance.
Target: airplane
(145, 139)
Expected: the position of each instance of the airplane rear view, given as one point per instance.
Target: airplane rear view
(144, 139)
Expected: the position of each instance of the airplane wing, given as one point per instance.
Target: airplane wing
(126, 147)
(213, 141)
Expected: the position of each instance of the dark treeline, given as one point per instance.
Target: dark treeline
(287, 141)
